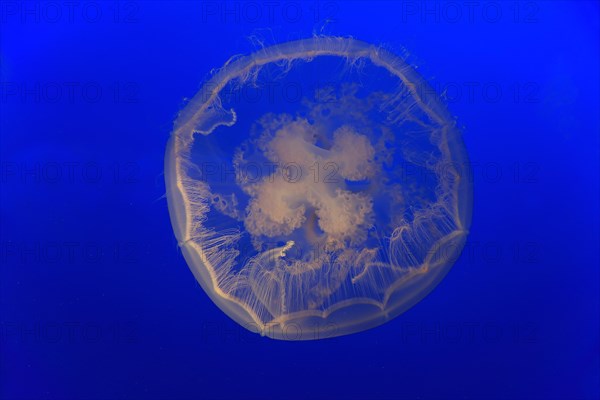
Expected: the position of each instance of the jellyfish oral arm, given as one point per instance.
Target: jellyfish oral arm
(280, 201)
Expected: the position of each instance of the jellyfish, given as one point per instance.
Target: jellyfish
(317, 188)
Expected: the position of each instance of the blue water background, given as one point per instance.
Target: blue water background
(96, 301)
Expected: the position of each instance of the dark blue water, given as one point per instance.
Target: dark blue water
(96, 301)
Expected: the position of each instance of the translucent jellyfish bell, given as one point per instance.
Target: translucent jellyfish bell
(317, 188)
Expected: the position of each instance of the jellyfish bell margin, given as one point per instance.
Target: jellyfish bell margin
(327, 253)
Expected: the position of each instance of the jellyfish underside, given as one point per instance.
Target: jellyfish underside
(326, 211)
